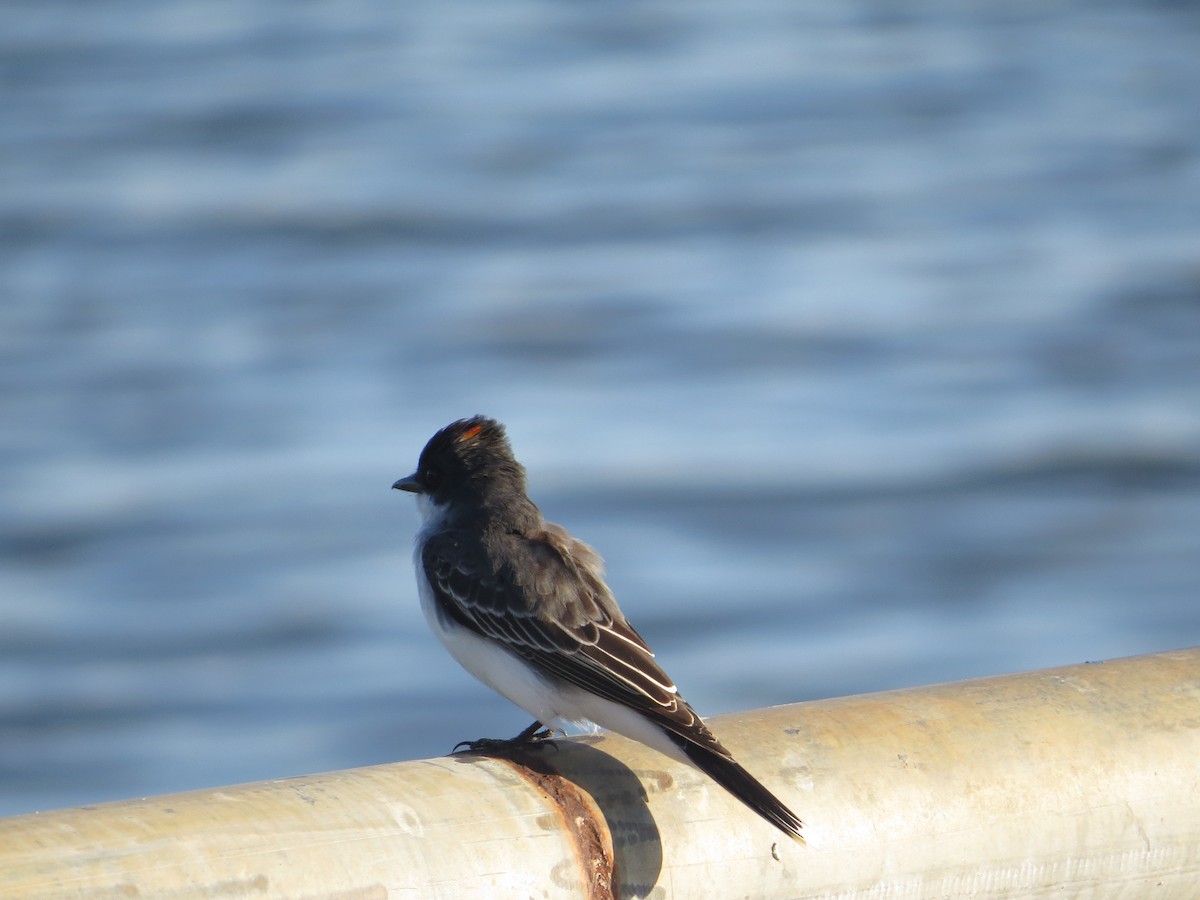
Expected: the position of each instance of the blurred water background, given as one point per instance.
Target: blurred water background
(862, 339)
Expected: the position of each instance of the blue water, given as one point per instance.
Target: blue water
(862, 341)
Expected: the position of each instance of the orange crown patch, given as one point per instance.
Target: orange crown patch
(470, 434)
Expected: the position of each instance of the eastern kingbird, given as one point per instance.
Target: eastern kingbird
(523, 607)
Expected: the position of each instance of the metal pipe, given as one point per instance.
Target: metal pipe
(1078, 781)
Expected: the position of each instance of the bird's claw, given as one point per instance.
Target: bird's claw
(524, 739)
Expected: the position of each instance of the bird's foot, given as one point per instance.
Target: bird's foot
(534, 734)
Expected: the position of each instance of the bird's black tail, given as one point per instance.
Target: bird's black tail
(731, 776)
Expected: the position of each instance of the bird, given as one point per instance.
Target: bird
(523, 606)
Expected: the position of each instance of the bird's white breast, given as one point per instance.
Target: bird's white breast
(496, 667)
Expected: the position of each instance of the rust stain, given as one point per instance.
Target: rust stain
(578, 816)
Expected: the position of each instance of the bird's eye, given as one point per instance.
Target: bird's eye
(431, 476)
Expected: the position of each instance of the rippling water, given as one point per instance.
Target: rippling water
(861, 342)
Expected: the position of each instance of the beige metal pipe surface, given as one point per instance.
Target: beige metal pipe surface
(1081, 781)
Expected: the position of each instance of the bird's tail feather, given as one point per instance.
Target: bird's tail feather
(743, 785)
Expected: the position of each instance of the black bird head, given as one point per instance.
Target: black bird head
(470, 464)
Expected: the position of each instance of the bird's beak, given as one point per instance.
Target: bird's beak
(409, 483)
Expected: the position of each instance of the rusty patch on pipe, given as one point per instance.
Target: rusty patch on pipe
(580, 818)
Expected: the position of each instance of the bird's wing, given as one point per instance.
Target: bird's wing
(558, 615)
(543, 598)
